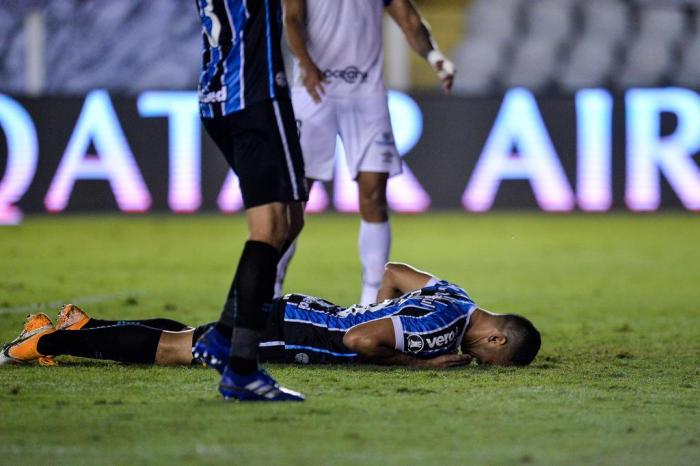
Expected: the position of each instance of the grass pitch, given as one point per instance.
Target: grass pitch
(615, 296)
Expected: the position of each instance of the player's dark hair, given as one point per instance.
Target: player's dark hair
(523, 338)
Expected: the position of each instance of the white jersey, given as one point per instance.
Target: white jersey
(344, 39)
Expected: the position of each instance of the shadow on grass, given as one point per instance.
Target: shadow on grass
(331, 368)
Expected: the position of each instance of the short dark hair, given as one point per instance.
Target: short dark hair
(523, 339)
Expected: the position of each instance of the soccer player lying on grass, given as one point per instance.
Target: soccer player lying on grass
(418, 321)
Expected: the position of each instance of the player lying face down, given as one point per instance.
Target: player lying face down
(418, 321)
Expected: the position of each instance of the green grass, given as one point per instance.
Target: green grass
(617, 380)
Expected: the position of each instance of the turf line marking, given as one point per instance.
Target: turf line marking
(78, 300)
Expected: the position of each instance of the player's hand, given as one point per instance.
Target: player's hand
(449, 360)
(444, 68)
(313, 80)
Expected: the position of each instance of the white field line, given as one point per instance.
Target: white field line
(77, 300)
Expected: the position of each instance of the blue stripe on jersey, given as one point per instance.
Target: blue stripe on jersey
(269, 48)
(232, 63)
(320, 318)
(321, 350)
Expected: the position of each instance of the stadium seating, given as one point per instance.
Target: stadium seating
(688, 69)
(588, 63)
(647, 61)
(478, 79)
(547, 45)
(533, 63)
(565, 45)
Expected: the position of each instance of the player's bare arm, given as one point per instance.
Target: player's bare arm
(419, 37)
(401, 278)
(375, 342)
(312, 76)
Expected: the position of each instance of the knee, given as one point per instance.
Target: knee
(373, 205)
(274, 232)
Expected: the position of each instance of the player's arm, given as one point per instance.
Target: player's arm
(419, 37)
(401, 278)
(294, 16)
(375, 342)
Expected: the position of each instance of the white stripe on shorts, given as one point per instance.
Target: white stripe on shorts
(287, 154)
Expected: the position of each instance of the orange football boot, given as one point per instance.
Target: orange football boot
(71, 317)
(24, 347)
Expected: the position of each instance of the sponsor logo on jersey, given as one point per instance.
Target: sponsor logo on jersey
(214, 96)
(441, 340)
(415, 343)
(281, 79)
(350, 75)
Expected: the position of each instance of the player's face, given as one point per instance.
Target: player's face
(491, 349)
(489, 355)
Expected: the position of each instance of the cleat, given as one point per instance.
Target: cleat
(24, 347)
(212, 349)
(71, 317)
(258, 386)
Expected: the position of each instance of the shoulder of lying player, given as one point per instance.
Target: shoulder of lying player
(443, 286)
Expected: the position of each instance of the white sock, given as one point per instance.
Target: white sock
(282, 268)
(374, 243)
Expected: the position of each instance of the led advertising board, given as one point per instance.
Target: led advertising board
(590, 152)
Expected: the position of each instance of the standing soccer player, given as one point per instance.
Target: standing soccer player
(245, 108)
(339, 90)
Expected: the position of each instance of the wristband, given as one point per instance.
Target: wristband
(447, 69)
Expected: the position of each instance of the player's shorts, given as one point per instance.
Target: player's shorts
(261, 145)
(363, 125)
(301, 342)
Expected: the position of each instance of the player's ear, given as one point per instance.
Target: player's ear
(498, 339)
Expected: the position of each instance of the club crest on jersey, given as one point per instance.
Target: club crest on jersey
(214, 96)
(350, 75)
(415, 343)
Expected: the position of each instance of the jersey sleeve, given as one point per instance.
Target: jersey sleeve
(449, 287)
(431, 334)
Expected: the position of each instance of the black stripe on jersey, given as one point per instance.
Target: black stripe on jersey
(413, 311)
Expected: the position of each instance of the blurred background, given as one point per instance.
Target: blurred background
(542, 96)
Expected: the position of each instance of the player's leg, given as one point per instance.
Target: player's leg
(374, 239)
(261, 145)
(318, 133)
(295, 214)
(253, 285)
(39, 341)
(124, 343)
(71, 317)
(372, 158)
(174, 348)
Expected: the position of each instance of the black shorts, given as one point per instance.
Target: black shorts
(289, 341)
(261, 145)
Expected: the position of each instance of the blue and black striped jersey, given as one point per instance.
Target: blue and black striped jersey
(427, 322)
(242, 59)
